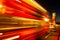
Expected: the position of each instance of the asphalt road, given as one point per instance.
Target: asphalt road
(53, 34)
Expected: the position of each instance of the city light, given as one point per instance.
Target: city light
(51, 26)
(22, 20)
(46, 19)
(1, 6)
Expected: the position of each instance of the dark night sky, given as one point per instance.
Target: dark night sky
(51, 6)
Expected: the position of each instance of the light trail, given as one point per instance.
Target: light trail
(20, 7)
(12, 38)
(35, 4)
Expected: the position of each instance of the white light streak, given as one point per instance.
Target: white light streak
(12, 38)
(18, 1)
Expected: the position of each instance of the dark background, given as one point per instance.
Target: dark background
(51, 6)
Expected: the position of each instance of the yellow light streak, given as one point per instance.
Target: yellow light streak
(36, 5)
(26, 23)
(20, 18)
(11, 28)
